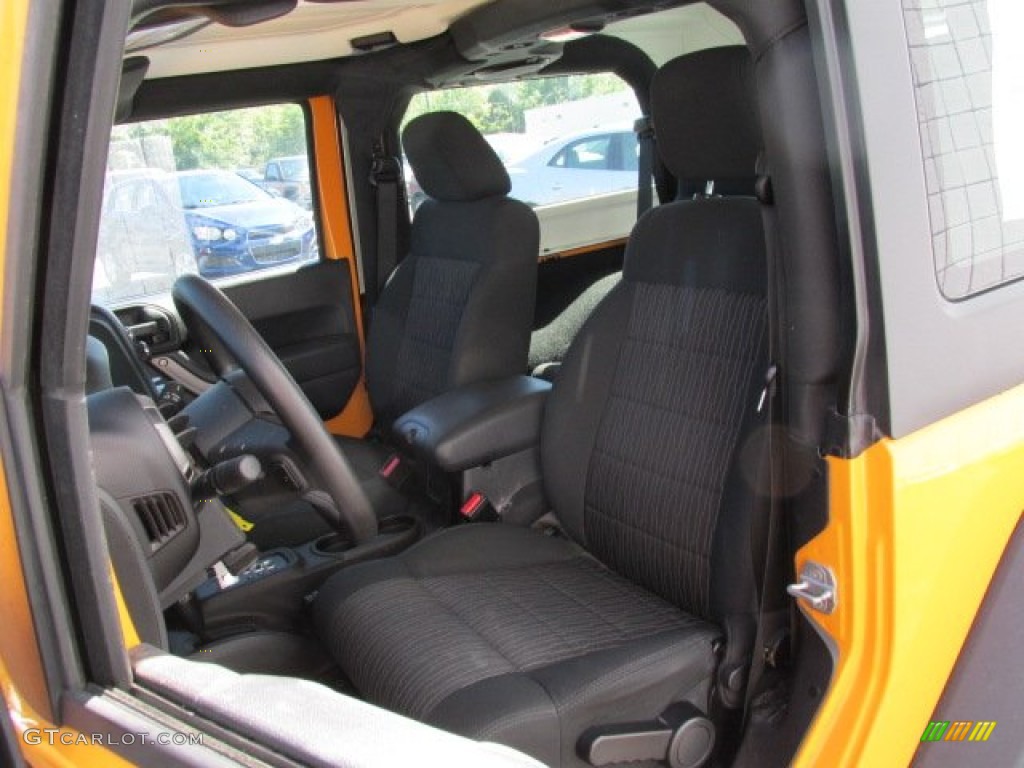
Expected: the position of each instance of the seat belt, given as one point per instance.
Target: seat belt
(644, 129)
(386, 177)
(770, 644)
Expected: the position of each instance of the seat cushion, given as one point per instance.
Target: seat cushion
(506, 634)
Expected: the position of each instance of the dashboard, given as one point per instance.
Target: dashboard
(150, 483)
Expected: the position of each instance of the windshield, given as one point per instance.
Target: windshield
(206, 190)
(295, 168)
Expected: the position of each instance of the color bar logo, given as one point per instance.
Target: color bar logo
(958, 730)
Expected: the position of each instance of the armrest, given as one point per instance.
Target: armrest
(473, 425)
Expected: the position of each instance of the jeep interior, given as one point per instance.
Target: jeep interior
(450, 486)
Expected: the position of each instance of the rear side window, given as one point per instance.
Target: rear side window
(569, 147)
(968, 65)
(222, 194)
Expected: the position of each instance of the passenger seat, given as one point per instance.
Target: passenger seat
(571, 648)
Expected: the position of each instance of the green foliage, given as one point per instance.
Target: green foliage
(230, 139)
(502, 114)
(470, 102)
(502, 107)
(249, 137)
(546, 91)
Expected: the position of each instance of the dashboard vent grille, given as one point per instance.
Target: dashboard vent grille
(161, 516)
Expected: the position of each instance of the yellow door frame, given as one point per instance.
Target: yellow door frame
(356, 417)
(22, 678)
(917, 528)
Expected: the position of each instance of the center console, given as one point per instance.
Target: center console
(488, 437)
(272, 591)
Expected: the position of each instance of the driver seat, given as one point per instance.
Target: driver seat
(651, 454)
(456, 311)
(459, 308)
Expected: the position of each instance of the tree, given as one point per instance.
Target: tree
(229, 139)
(471, 102)
(502, 114)
(548, 91)
(501, 107)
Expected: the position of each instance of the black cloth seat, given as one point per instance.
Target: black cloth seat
(459, 307)
(457, 310)
(651, 457)
(525, 634)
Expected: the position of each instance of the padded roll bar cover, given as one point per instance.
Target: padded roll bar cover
(475, 424)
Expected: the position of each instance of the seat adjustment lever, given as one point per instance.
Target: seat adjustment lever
(681, 737)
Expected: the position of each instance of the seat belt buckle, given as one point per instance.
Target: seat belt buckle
(394, 471)
(477, 508)
(768, 391)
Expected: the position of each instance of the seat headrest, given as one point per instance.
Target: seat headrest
(705, 115)
(451, 160)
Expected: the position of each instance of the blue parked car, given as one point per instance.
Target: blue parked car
(238, 227)
(156, 226)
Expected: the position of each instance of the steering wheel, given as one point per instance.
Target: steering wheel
(231, 343)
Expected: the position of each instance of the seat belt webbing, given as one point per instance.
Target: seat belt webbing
(765, 534)
(644, 129)
(386, 177)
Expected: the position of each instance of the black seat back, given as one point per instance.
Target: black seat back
(645, 430)
(459, 308)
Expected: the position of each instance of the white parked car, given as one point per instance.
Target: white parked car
(563, 178)
(596, 162)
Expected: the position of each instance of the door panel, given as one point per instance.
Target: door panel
(307, 319)
(983, 693)
(917, 529)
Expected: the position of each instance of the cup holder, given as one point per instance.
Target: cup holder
(393, 535)
(399, 524)
(332, 544)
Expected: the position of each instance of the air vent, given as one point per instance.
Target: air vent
(162, 517)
